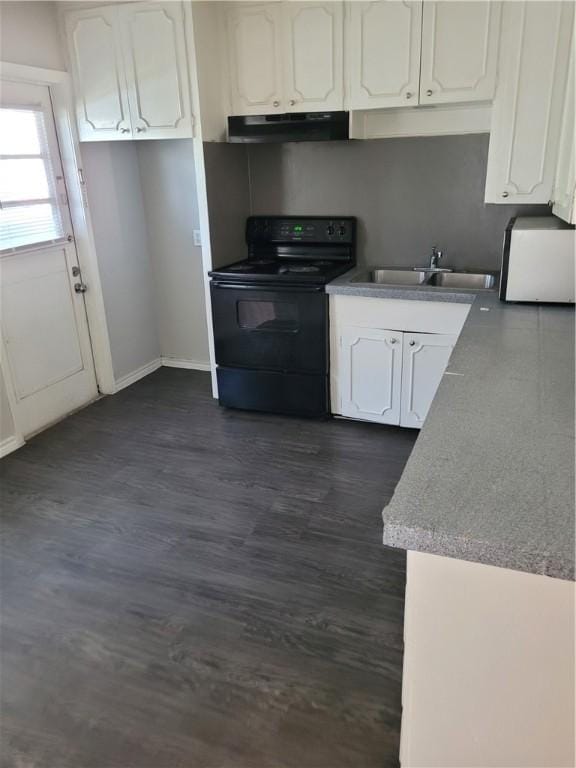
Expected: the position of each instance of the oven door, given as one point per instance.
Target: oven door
(273, 328)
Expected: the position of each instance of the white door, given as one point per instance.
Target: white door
(156, 70)
(383, 52)
(45, 339)
(425, 357)
(459, 51)
(527, 110)
(313, 56)
(371, 374)
(95, 51)
(255, 58)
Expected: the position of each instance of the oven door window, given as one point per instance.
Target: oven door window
(276, 316)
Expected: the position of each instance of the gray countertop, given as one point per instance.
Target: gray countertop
(491, 476)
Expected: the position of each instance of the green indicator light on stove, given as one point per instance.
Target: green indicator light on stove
(298, 228)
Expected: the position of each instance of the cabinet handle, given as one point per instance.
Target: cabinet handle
(393, 341)
(124, 130)
(504, 194)
(408, 95)
(429, 92)
(275, 103)
(292, 102)
(412, 343)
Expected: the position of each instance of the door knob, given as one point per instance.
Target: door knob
(393, 341)
(504, 194)
(408, 95)
(124, 130)
(429, 92)
(80, 287)
(276, 103)
(140, 129)
(292, 102)
(412, 343)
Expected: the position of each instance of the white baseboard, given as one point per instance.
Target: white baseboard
(10, 444)
(139, 373)
(145, 370)
(177, 362)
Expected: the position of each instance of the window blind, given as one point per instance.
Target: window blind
(29, 206)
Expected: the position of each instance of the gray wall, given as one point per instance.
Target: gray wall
(228, 192)
(119, 225)
(29, 34)
(171, 209)
(408, 195)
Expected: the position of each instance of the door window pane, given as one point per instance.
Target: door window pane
(29, 204)
(23, 180)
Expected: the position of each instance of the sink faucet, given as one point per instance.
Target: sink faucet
(435, 257)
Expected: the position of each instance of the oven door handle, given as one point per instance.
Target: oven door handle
(271, 288)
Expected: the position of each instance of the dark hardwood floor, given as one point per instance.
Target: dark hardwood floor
(185, 586)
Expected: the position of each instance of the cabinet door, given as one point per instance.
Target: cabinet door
(459, 51)
(156, 70)
(383, 53)
(425, 357)
(565, 185)
(254, 44)
(371, 374)
(313, 56)
(98, 70)
(527, 109)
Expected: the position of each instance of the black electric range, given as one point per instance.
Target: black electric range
(270, 313)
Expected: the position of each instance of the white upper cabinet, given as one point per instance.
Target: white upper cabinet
(255, 61)
(404, 53)
(527, 109)
(459, 51)
(564, 196)
(130, 71)
(95, 51)
(285, 57)
(383, 47)
(313, 56)
(156, 68)
(424, 360)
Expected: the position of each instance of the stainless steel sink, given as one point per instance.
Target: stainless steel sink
(477, 281)
(393, 277)
(473, 280)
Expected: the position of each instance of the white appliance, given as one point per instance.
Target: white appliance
(538, 260)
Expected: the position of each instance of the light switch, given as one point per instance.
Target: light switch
(197, 238)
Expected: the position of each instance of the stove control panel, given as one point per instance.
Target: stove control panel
(301, 229)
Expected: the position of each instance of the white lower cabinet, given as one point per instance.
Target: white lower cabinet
(424, 360)
(389, 376)
(371, 372)
(388, 356)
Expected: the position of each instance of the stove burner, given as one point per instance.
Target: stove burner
(299, 268)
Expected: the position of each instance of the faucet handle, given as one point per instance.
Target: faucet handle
(436, 252)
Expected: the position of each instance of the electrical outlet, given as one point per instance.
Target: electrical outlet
(197, 238)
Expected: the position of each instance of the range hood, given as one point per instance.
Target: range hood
(292, 126)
